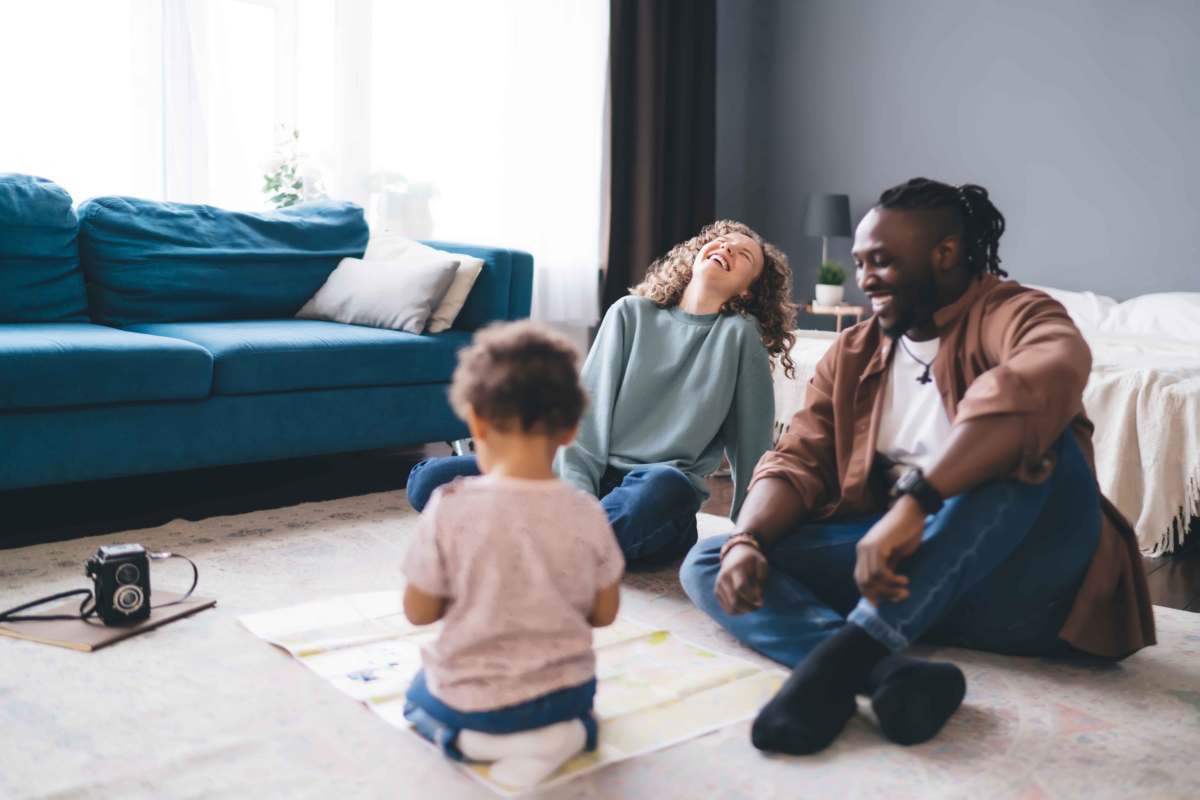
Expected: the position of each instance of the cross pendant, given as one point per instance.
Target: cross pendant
(924, 377)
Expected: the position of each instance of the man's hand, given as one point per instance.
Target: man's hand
(741, 579)
(891, 540)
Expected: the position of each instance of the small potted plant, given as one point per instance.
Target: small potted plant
(829, 284)
(288, 176)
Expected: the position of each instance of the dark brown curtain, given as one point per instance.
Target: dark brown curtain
(662, 135)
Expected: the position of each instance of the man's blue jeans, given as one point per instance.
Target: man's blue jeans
(652, 509)
(441, 724)
(998, 569)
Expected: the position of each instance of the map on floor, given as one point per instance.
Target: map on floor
(654, 689)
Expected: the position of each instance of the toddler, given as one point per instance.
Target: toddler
(518, 564)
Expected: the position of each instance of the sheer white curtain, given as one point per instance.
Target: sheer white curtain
(81, 95)
(498, 108)
(468, 120)
(174, 99)
(471, 120)
(482, 121)
(229, 96)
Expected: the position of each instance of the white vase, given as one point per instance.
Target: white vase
(829, 295)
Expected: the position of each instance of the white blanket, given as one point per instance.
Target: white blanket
(1143, 396)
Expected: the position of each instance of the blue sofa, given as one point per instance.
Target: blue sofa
(139, 337)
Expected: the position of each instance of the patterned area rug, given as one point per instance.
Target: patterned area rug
(201, 708)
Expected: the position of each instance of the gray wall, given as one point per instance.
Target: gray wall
(1081, 118)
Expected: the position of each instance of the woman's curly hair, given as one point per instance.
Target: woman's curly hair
(770, 299)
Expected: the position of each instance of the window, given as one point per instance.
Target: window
(81, 95)
(472, 120)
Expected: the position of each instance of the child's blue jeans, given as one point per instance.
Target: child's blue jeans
(998, 569)
(652, 509)
(441, 724)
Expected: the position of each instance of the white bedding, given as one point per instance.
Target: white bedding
(1144, 398)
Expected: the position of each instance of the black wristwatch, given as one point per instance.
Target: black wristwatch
(913, 483)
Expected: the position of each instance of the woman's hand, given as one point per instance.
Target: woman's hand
(741, 579)
(891, 540)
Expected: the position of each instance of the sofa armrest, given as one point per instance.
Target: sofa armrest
(504, 289)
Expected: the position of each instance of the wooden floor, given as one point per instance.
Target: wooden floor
(89, 509)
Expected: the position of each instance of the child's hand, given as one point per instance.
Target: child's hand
(421, 608)
(608, 602)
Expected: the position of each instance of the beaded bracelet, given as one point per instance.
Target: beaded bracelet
(735, 540)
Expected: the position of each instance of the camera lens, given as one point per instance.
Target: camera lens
(128, 573)
(127, 599)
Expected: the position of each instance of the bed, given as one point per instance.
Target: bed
(1143, 396)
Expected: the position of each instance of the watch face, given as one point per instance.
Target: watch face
(909, 480)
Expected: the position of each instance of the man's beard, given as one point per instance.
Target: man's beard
(919, 312)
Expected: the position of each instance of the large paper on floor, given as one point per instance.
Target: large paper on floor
(654, 690)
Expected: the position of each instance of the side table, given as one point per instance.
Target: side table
(838, 311)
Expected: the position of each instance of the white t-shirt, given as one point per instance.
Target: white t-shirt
(914, 425)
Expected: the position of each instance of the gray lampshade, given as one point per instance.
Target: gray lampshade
(827, 215)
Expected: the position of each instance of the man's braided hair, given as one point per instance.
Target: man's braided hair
(981, 224)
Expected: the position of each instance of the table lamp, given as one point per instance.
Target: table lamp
(827, 215)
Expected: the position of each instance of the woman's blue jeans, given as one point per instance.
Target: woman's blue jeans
(998, 569)
(652, 509)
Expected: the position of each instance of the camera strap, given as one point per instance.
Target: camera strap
(86, 613)
(195, 575)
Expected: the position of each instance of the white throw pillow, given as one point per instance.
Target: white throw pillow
(1088, 309)
(1170, 315)
(399, 295)
(392, 246)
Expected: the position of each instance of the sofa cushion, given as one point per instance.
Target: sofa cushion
(40, 278)
(503, 289)
(392, 246)
(69, 364)
(398, 295)
(288, 355)
(149, 261)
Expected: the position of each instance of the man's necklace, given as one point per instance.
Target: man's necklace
(928, 365)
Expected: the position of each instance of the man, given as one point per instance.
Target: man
(996, 538)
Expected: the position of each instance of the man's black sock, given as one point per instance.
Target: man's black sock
(817, 700)
(913, 699)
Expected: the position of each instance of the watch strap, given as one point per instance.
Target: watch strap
(914, 484)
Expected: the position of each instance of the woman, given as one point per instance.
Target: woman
(680, 372)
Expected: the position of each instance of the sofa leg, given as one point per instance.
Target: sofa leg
(462, 447)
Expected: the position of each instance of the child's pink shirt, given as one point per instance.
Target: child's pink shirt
(520, 562)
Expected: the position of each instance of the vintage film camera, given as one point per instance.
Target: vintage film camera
(121, 573)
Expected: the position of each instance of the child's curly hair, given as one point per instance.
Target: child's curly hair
(520, 375)
(770, 295)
